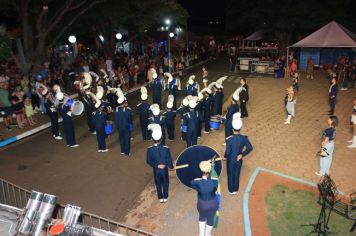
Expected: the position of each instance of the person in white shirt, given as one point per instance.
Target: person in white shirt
(108, 63)
(353, 125)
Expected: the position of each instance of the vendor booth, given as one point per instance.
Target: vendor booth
(325, 45)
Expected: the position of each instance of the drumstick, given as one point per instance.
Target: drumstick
(187, 165)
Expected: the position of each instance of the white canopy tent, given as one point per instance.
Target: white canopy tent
(332, 35)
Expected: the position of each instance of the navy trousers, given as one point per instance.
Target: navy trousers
(233, 175)
(170, 131)
(191, 138)
(161, 182)
(69, 131)
(101, 136)
(90, 122)
(53, 116)
(125, 140)
(144, 131)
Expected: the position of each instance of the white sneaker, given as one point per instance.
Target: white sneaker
(165, 200)
(350, 141)
(93, 132)
(106, 150)
(161, 200)
(57, 137)
(233, 193)
(206, 132)
(318, 174)
(343, 89)
(224, 144)
(100, 150)
(287, 122)
(74, 146)
(352, 146)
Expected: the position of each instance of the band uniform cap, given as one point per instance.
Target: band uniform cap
(205, 166)
(236, 124)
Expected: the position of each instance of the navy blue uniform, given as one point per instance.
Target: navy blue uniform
(157, 86)
(51, 111)
(67, 124)
(160, 155)
(191, 90)
(207, 112)
(169, 117)
(332, 97)
(235, 145)
(199, 109)
(207, 200)
(173, 90)
(88, 109)
(181, 111)
(231, 110)
(218, 102)
(190, 119)
(99, 120)
(144, 112)
(160, 121)
(123, 119)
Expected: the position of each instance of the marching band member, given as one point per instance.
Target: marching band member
(181, 111)
(231, 110)
(157, 87)
(99, 119)
(205, 77)
(158, 119)
(144, 112)
(173, 87)
(207, 109)
(170, 116)
(190, 119)
(159, 158)
(68, 125)
(199, 109)
(237, 147)
(123, 120)
(192, 87)
(51, 111)
(208, 204)
(244, 97)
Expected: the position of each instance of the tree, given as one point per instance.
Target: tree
(135, 15)
(5, 48)
(43, 22)
(284, 19)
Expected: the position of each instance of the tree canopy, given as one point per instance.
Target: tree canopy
(44, 22)
(286, 18)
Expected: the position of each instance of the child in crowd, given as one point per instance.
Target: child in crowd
(353, 125)
(29, 112)
(18, 106)
(290, 102)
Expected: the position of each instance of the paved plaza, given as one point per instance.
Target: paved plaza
(122, 189)
(289, 149)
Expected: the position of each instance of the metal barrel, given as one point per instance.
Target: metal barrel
(45, 213)
(33, 205)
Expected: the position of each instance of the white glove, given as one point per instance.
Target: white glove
(69, 113)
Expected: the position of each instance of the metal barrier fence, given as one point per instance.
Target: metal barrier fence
(13, 195)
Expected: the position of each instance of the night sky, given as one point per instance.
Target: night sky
(203, 13)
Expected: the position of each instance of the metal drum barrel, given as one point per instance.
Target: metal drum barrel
(33, 205)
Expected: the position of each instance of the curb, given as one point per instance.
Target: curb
(16, 138)
(246, 216)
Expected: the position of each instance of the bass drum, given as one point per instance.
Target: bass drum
(190, 158)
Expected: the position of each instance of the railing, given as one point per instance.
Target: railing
(13, 195)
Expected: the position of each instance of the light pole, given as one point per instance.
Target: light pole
(168, 23)
(73, 40)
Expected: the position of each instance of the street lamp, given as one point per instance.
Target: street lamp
(73, 40)
(168, 23)
(119, 36)
(171, 35)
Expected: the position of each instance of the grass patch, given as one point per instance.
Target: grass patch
(288, 209)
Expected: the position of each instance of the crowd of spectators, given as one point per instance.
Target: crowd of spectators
(20, 98)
